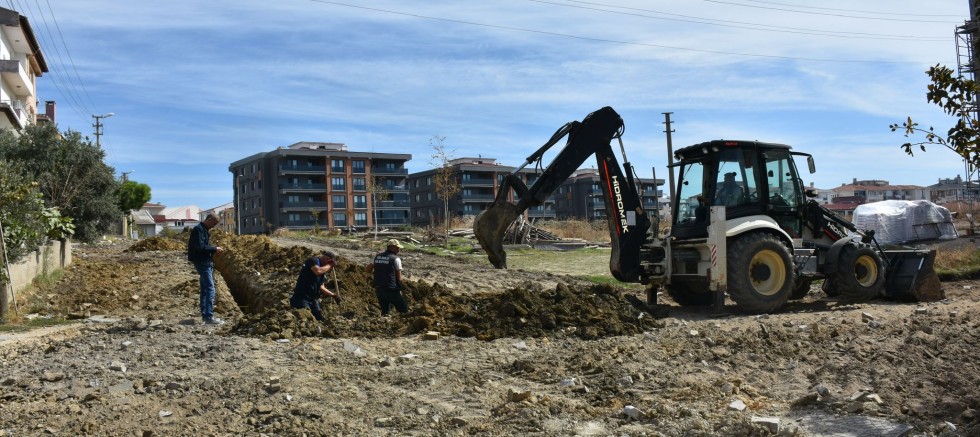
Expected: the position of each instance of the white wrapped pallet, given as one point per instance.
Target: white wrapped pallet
(905, 221)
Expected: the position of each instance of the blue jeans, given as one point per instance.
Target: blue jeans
(206, 271)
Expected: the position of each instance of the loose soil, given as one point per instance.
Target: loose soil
(481, 352)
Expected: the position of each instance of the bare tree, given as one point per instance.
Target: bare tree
(445, 180)
(379, 193)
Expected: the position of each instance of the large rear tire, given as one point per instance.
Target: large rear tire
(760, 273)
(860, 274)
(690, 293)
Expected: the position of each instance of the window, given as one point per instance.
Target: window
(292, 217)
(339, 201)
(416, 183)
(357, 166)
(338, 184)
(360, 184)
(428, 196)
(337, 165)
(360, 201)
(689, 189)
(339, 219)
(360, 218)
(428, 180)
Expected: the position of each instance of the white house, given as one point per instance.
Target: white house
(21, 63)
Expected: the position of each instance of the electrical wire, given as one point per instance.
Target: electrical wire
(68, 52)
(827, 13)
(613, 41)
(740, 24)
(855, 10)
(57, 79)
(51, 43)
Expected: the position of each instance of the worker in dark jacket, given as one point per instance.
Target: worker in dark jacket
(201, 253)
(387, 268)
(310, 284)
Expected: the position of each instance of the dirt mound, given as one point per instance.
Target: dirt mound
(261, 276)
(158, 243)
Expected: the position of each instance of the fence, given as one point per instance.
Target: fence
(55, 255)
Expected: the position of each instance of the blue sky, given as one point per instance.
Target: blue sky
(195, 85)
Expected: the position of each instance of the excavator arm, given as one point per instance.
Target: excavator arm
(628, 222)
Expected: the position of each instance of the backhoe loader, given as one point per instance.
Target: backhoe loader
(742, 225)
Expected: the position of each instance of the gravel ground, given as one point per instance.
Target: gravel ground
(482, 352)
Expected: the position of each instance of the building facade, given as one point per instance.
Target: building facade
(314, 185)
(952, 190)
(580, 196)
(21, 63)
(478, 180)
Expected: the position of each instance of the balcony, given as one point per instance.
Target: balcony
(358, 170)
(13, 73)
(392, 221)
(301, 169)
(337, 169)
(396, 188)
(303, 205)
(378, 171)
(304, 223)
(394, 204)
(477, 197)
(359, 187)
(360, 205)
(302, 187)
(488, 182)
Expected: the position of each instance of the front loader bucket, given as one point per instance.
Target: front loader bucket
(489, 228)
(912, 276)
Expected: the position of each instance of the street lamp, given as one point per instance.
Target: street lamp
(98, 126)
(125, 175)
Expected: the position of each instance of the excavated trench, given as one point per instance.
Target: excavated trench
(260, 276)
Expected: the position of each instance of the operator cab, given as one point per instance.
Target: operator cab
(747, 177)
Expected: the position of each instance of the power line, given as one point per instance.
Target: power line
(68, 52)
(855, 10)
(741, 24)
(57, 50)
(57, 80)
(827, 14)
(604, 40)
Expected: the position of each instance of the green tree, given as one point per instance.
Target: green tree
(71, 174)
(132, 195)
(21, 212)
(445, 181)
(957, 97)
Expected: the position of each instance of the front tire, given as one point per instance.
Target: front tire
(760, 273)
(860, 274)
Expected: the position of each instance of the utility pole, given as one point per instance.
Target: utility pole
(98, 127)
(670, 156)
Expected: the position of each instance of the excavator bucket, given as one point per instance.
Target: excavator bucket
(489, 228)
(912, 276)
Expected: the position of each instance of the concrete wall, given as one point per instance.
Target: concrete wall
(56, 255)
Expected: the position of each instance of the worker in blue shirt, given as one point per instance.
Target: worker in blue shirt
(311, 284)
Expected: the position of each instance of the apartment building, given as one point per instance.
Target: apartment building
(580, 196)
(478, 180)
(952, 190)
(21, 63)
(316, 185)
(878, 190)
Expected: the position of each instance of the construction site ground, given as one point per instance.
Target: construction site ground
(481, 352)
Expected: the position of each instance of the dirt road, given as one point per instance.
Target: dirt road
(518, 353)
